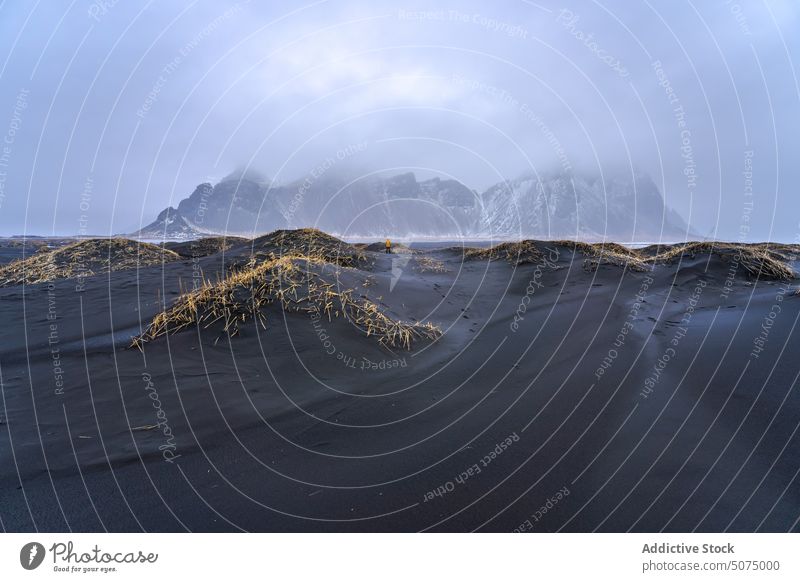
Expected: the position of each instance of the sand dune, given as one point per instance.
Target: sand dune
(655, 386)
(82, 259)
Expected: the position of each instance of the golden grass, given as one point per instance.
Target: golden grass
(205, 246)
(291, 282)
(308, 242)
(786, 249)
(429, 265)
(84, 259)
(764, 260)
(598, 249)
(607, 253)
(758, 260)
(517, 253)
(690, 249)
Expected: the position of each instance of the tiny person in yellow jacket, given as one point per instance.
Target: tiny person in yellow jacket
(388, 246)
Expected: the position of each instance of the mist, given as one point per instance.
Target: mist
(111, 111)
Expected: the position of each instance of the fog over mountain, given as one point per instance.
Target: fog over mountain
(624, 208)
(111, 112)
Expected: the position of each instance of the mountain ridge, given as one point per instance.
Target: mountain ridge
(581, 206)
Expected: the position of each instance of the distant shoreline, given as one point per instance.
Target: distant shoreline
(420, 241)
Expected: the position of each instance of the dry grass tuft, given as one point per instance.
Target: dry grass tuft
(669, 253)
(429, 265)
(311, 243)
(206, 246)
(761, 260)
(291, 282)
(597, 249)
(757, 260)
(517, 253)
(764, 260)
(607, 253)
(84, 259)
(785, 251)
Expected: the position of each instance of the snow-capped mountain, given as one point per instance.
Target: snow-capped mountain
(617, 208)
(622, 208)
(169, 225)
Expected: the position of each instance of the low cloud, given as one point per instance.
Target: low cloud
(473, 91)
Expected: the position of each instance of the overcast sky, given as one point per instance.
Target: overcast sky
(111, 111)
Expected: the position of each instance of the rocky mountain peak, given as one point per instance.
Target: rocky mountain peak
(622, 207)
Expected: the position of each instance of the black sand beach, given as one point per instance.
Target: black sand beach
(566, 393)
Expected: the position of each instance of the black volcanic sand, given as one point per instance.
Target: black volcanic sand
(503, 424)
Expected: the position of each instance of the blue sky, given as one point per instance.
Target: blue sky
(111, 111)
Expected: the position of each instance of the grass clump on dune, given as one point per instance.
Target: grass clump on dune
(84, 259)
(607, 253)
(785, 251)
(758, 260)
(291, 282)
(517, 253)
(311, 243)
(598, 249)
(764, 260)
(429, 265)
(205, 246)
